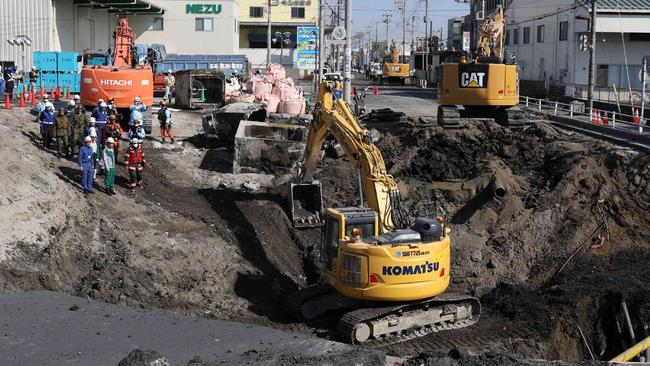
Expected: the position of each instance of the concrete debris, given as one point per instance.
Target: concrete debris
(268, 148)
(223, 122)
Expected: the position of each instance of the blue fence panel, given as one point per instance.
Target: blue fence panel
(67, 62)
(45, 61)
(70, 80)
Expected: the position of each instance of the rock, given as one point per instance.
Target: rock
(139, 357)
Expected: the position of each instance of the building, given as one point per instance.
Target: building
(454, 34)
(546, 41)
(184, 27)
(286, 16)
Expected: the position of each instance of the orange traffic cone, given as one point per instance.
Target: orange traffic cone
(52, 93)
(58, 93)
(636, 119)
(21, 101)
(375, 90)
(42, 92)
(7, 102)
(67, 93)
(595, 117)
(33, 101)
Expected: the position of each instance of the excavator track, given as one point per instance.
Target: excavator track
(449, 117)
(378, 327)
(514, 118)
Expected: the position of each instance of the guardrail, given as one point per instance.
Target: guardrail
(604, 118)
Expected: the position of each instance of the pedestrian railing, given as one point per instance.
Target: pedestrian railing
(599, 117)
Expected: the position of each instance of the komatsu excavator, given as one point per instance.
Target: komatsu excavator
(486, 86)
(388, 272)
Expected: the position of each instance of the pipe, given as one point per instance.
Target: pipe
(497, 188)
(628, 321)
(633, 351)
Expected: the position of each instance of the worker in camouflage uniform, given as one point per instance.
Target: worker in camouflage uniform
(62, 132)
(79, 121)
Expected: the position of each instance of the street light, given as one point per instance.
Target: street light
(284, 39)
(22, 41)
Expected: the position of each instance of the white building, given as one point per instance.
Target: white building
(545, 37)
(184, 27)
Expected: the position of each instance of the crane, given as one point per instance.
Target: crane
(388, 272)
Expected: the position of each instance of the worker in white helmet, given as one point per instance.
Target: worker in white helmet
(33, 78)
(47, 124)
(136, 110)
(170, 81)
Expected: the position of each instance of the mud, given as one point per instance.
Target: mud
(202, 241)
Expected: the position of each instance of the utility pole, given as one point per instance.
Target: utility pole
(347, 67)
(644, 81)
(403, 31)
(592, 58)
(268, 36)
(337, 64)
(321, 42)
(387, 21)
(426, 42)
(412, 33)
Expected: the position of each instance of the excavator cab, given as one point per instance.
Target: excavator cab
(348, 222)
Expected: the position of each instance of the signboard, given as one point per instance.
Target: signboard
(466, 41)
(307, 48)
(202, 8)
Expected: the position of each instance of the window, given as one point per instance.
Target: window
(526, 35)
(298, 13)
(157, 24)
(203, 24)
(540, 34)
(564, 31)
(515, 36)
(639, 37)
(256, 12)
(507, 38)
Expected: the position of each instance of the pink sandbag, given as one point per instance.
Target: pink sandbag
(242, 97)
(285, 91)
(261, 89)
(275, 72)
(273, 104)
(291, 106)
(250, 84)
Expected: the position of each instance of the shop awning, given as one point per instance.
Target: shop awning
(132, 7)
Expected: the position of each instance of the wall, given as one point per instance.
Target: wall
(32, 18)
(280, 14)
(179, 35)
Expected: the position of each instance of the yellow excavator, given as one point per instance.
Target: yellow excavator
(485, 87)
(388, 272)
(395, 72)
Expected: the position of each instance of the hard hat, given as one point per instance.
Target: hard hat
(61, 110)
(136, 99)
(169, 71)
(102, 104)
(87, 139)
(92, 120)
(77, 97)
(93, 134)
(49, 104)
(136, 120)
(71, 102)
(100, 101)
(134, 140)
(33, 67)
(46, 96)
(110, 140)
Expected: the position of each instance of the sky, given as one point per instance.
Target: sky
(369, 12)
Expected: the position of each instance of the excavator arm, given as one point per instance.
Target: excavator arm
(379, 188)
(490, 43)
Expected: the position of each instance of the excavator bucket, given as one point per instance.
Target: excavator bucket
(306, 201)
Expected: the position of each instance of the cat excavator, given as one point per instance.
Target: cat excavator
(387, 272)
(485, 87)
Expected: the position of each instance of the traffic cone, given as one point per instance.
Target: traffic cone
(604, 118)
(7, 102)
(375, 90)
(636, 119)
(67, 92)
(21, 102)
(58, 93)
(52, 93)
(354, 91)
(42, 91)
(33, 101)
(203, 95)
(595, 117)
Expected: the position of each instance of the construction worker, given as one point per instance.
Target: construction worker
(87, 165)
(114, 131)
(170, 81)
(79, 121)
(109, 158)
(62, 132)
(33, 78)
(136, 131)
(91, 127)
(40, 106)
(134, 161)
(77, 99)
(70, 108)
(111, 107)
(95, 146)
(136, 111)
(165, 119)
(47, 124)
(101, 116)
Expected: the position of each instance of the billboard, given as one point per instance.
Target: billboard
(307, 48)
(466, 41)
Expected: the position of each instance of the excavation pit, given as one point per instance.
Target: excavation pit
(262, 147)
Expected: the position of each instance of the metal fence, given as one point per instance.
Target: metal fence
(578, 111)
(605, 94)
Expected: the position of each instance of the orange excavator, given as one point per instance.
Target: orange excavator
(124, 80)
